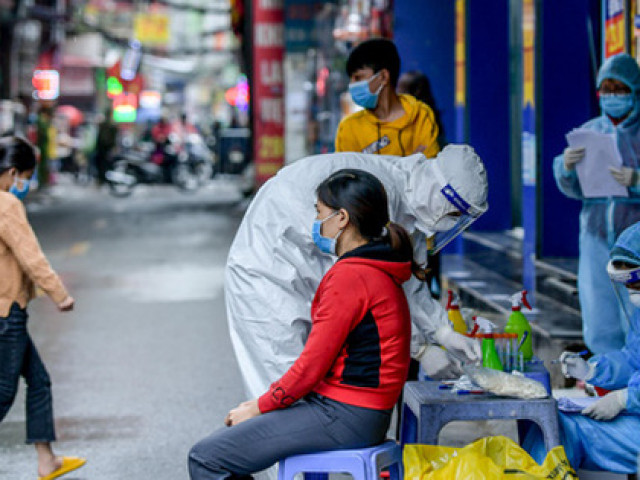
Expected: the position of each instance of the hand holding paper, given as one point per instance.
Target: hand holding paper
(600, 153)
(625, 176)
(573, 155)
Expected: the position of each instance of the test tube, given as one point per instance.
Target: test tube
(521, 355)
(508, 355)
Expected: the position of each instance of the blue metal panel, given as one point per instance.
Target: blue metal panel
(488, 103)
(424, 33)
(568, 100)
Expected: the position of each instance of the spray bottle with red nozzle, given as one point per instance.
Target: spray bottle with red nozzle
(453, 311)
(490, 358)
(518, 323)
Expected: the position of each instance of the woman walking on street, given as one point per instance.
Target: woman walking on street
(23, 265)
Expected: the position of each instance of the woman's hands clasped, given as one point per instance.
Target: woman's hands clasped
(244, 411)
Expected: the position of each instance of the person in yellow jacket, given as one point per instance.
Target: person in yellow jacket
(390, 124)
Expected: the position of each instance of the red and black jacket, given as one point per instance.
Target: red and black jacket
(358, 349)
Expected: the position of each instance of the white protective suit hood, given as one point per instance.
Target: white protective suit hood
(274, 268)
(458, 166)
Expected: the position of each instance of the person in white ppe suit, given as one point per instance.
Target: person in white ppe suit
(274, 267)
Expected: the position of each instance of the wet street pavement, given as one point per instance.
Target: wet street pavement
(143, 367)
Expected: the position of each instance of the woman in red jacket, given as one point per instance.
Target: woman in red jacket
(340, 392)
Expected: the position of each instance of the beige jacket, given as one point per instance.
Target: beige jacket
(22, 263)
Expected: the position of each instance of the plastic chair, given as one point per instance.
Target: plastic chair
(427, 409)
(361, 464)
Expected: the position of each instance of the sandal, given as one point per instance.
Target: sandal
(68, 464)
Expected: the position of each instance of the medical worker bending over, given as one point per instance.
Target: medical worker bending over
(274, 267)
(602, 219)
(606, 435)
(355, 362)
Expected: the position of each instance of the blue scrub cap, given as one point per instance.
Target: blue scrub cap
(622, 67)
(627, 246)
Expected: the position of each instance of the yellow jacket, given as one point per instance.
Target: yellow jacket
(363, 132)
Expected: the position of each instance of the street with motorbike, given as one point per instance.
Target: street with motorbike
(187, 163)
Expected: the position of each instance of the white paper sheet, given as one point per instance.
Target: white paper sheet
(575, 404)
(601, 152)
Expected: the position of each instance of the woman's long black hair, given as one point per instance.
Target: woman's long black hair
(363, 196)
(16, 152)
(417, 84)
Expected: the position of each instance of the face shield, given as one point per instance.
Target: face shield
(455, 219)
(620, 279)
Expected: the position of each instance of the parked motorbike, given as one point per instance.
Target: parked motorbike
(200, 160)
(145, 164)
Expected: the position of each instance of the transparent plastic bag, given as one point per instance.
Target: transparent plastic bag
(505, 384)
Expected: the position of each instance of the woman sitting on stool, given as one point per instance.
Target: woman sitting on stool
(340, 392)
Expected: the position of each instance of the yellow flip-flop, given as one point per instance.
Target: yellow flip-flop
(68, 465)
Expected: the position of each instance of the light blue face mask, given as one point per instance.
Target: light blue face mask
(325, 244)
(616, 106)
(19, 192)
(361, 94)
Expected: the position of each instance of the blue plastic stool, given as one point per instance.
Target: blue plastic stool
(361, 464)
(427, 409)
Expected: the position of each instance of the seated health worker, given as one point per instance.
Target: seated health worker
(606, 435)
(340, 392)
(603, 219)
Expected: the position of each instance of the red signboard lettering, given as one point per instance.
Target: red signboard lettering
(268, 86)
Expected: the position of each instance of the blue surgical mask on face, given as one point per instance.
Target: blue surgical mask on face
(616, 106)
(361, 94)
(325, 244)
(20, 192)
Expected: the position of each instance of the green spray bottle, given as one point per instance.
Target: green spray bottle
(518, 323)
(490, 358)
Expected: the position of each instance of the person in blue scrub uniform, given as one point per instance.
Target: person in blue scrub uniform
(606, 434)
(603, 219)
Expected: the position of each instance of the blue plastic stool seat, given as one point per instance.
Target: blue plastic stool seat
(427, 409)
(361, 464)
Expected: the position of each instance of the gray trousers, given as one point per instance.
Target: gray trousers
(313, 425)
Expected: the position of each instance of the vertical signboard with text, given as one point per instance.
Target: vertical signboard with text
(460, 98)
(529, 147)
(614, 16)
(268, 87)
(461, 70)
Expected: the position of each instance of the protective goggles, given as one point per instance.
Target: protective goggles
(468, 214)
(623, 276)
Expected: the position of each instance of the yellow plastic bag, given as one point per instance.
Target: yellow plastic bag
(488, 458)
